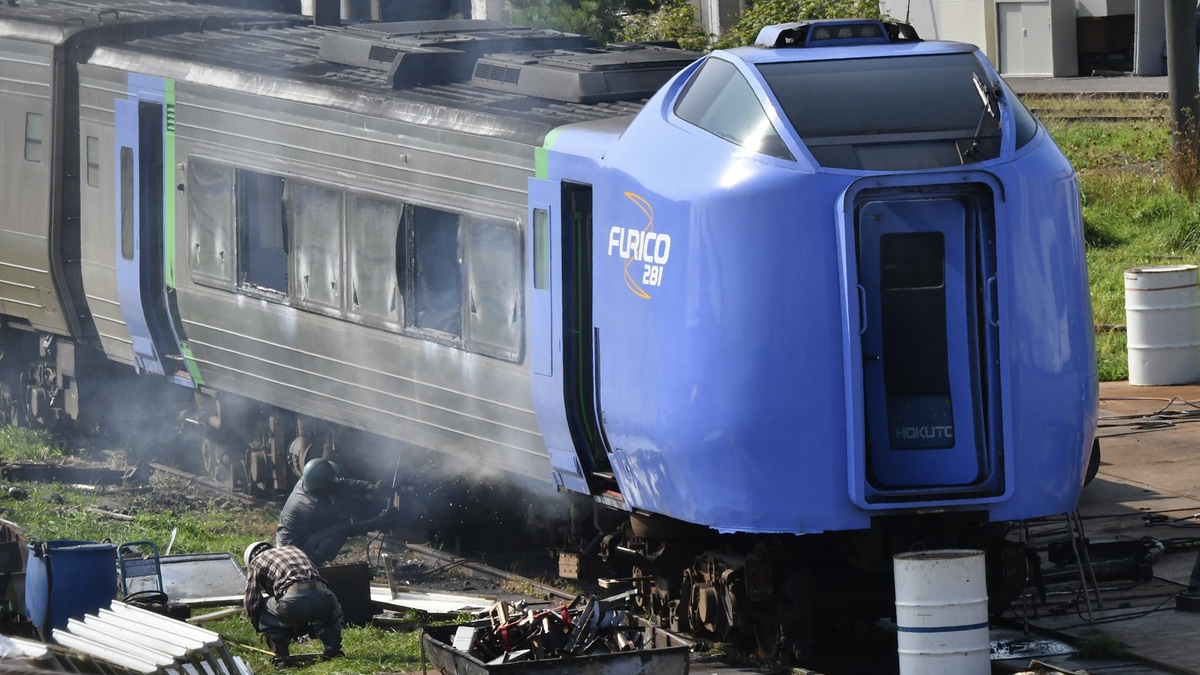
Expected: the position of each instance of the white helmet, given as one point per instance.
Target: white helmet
(254, 549)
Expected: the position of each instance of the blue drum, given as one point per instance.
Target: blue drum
(68, 579)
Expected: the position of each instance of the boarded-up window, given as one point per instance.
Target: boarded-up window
(374, 228)
(210, 221)
(494, 288)
(316, 216)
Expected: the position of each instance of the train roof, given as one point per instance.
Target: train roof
(476, 76)
(57, 21)
(761, 54)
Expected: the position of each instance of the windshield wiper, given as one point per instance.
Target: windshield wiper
(990, 100)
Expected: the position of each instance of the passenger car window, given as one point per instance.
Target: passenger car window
(541, 249)
(210, 222)
(374, 227)
(719, 100)
(316, 218)
(436, 269)
(494, 288)
(262, 233)
(33, 137)
(93, 161)
(424, 272)
(127, 206)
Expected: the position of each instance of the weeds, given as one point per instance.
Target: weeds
(1185, 167)
(201, 523)
(1132, 214)
(190, 520)
(1101, 647)
(19, 444)
(369, 649)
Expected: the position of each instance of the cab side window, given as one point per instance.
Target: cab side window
(719, 100)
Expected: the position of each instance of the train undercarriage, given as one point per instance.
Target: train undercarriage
(791, 598)
(782, 597)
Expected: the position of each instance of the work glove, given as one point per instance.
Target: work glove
(377, 486)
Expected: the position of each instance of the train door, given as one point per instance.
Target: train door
(565, 371)
(926, 274)
(145, 233)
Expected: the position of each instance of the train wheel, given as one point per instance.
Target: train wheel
(238, 477)
(10, 407)
(209, 450)
(218, 464)
(260, 476)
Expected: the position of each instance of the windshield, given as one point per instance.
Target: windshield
(890, 113)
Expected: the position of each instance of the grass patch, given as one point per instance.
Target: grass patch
(19, 444)
(369, 649)
(203, 523)
(1132, 215)
(1101, 647)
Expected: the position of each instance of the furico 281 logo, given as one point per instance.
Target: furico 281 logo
(644, 251)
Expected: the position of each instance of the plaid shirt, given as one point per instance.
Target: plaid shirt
(273, 570)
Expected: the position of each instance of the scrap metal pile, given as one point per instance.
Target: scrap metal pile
(584, 627)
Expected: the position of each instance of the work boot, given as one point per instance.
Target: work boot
(282, 658)
(331, 653)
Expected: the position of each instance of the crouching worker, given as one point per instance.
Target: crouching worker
(297, 600)
(317, 516)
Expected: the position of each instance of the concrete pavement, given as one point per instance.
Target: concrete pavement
(1144, 504)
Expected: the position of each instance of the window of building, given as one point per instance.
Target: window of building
(316, 218)
(210, 221)
(262, 233)
(374, 229)
(93, 161)
(33, 137)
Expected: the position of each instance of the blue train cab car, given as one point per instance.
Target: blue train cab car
(834, 275)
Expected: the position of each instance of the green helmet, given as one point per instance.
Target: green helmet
(319, 474)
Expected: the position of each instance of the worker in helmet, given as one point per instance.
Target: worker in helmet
(318, 515)
(297, 600)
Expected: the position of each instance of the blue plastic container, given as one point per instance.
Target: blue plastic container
(67, 579)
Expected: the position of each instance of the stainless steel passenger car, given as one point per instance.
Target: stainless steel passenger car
(331, 222)
(44, 162)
